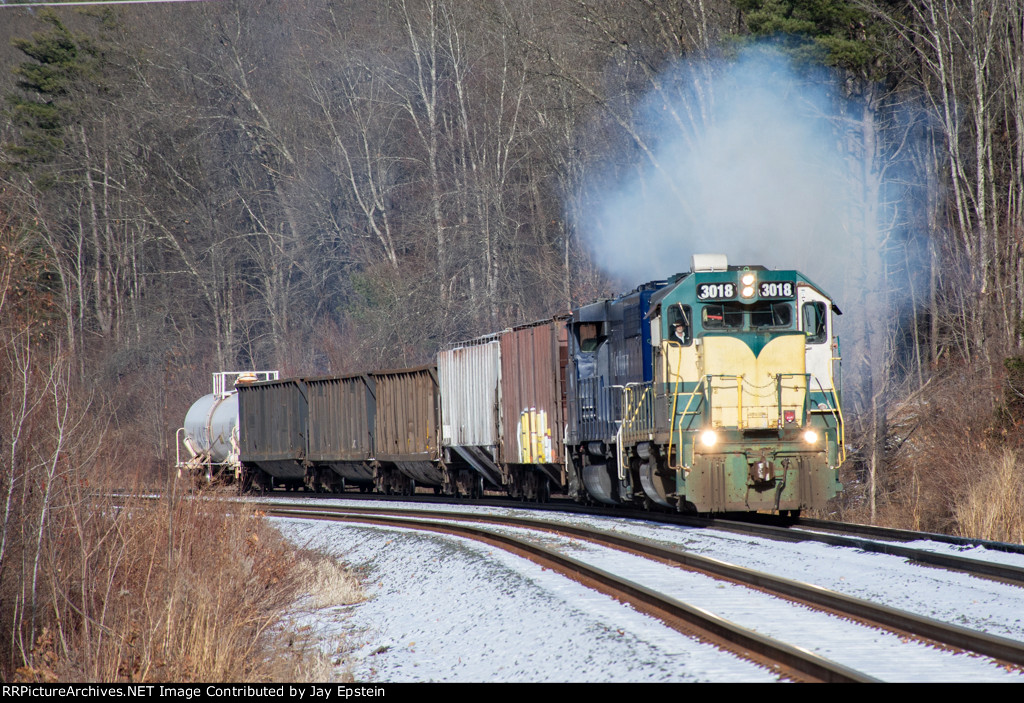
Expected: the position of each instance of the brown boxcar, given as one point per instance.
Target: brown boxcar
(342, 411)
(407, 428)
(272, 430)
(533, 359)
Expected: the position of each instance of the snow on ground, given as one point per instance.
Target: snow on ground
(969, 601)
(448, 609)
(882, 655)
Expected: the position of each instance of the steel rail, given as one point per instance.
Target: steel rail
(981, 568)
(741, 641)
(976, 567)
(772, 527)
(1000, 648)
(898, 535)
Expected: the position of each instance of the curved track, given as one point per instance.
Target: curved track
(885, 540)
(791, 658)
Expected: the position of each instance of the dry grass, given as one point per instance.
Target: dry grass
(184, 590)
(992, 505)
(305, 653)
(952, 464)
(328, 583)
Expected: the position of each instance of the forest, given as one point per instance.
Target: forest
(330, 186)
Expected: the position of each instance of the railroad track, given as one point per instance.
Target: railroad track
(862, 537)
(788, 659)
(849, 535)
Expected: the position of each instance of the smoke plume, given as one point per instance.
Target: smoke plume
(739, 158)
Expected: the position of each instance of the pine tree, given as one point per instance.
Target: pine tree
(841, 35)
(45, 106)
(836, 33)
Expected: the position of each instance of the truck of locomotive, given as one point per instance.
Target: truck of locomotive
(713, 391)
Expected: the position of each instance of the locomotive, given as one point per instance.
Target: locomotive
(715, 390)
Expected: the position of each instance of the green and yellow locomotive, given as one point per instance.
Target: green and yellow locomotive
(714, 391)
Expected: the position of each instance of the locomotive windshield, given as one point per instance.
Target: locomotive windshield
(756, 316)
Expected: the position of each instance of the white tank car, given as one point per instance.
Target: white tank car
(210, 432)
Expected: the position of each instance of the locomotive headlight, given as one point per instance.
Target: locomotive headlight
(747, 279)
(810, 436)
(708, 438)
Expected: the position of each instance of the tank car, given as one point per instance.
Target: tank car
(210, 432)
(714, 391)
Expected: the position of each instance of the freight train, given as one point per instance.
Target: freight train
(716, 390)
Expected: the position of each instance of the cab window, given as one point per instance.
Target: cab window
(589, 336)
(722, 316)
(680, 330)
(753, 316)
(771, 315)
(815, 315)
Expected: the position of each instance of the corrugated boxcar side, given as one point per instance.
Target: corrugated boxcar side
(468, 376)
(341, 418)
(408, 414)
(533, 359)
(272, 426)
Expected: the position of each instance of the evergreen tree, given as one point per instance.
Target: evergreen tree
(870, 129)
(836, 33)
(44, 108)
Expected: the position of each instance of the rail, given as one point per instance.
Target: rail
(796, 661)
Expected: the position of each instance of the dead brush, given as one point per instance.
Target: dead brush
(208, 595)
(306, 652)
(167, 590)
(327, 583)
(991, 506)
(949, 467)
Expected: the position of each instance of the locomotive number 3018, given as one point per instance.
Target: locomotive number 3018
(716, 291)
(776, 290)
